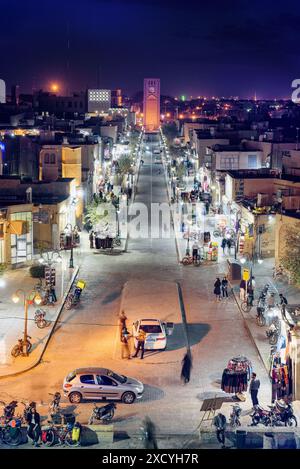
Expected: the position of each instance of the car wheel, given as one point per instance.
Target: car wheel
(128, 397)
(75, 397)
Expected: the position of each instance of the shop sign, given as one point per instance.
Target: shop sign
(246, 274)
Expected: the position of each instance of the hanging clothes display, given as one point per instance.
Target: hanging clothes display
(240, 363)
(234, 381)
(236, 375)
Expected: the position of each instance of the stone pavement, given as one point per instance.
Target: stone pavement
(12, 315)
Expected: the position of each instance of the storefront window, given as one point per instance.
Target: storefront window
(21, 245)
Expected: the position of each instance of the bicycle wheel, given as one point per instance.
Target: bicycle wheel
(216, 234)
(69, 440)
(291, 422)
(12, 438)
(260, 320)
(41, 323)
(15, 351)
(245, 307)
(29, 345)
(186, 261)
(50, 437)
(273, 339)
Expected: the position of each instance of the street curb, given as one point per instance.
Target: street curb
(178, 251)
(248, 328)
(39, 359)
(133, 199)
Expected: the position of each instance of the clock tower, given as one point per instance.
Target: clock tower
(151, 104)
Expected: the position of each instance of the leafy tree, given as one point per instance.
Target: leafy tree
(290, 257)
(124, 165)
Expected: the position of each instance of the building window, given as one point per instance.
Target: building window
(52, 158)
(46, 158)
(229, 162)
(252, 161)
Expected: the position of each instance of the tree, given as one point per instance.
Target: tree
(124, 165)
(290, 257)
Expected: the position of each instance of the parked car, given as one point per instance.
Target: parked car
(101, 383)
(156, 333)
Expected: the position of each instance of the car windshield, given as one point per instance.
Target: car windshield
(70, 376)
(151, 328)
(120, 378)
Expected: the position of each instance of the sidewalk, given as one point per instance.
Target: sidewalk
(12, 315)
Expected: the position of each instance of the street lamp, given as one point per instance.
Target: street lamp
(69, 229)
(33, 296)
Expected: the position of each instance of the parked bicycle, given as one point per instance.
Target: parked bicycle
(40, 320)
(19, 348)
(224, 232)
(234, 419)
(188, 260)
(73, 297)
(68, 434)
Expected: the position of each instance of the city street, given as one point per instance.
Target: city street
(144, 282)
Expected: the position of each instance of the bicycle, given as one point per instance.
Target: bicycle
(19, 348)
(60, 434)
(188, 260)
(222, 232)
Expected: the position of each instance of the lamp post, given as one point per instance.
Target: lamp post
(118, 223)
(33, 296)
(50, 257)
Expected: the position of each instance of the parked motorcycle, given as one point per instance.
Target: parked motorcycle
(39, 319)
(73, 297)
(104, 414)
(54, 406)
(282, 414)
(234, 419)
(260, 415)
(273, 334)
(260, 317)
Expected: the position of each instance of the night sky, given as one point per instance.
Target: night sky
(211, 47)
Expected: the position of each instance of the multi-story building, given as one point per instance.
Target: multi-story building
(2, 92)
(151, 104)
(99, 101)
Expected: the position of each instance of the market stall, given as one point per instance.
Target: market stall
(236, 375)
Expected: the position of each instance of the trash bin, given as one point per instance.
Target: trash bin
(241, 439)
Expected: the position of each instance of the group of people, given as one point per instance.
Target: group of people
(221, 288)
(125, 337)
(226, 243)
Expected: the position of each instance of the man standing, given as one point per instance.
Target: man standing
(253, 388)
(141, 337)
(195, 251)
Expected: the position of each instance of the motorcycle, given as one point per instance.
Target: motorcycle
(260, 415)
(19, 348)
(282, 414)
(54, 407)
(73, 297)
(260, 317)
(234, 419)
(39, 319)
(9, 410)
(105, 413)
(273, 334)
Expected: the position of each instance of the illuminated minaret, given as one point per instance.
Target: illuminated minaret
(151, 104)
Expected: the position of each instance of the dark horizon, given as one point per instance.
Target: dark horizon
(195, 48)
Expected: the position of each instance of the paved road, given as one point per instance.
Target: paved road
(87, 335)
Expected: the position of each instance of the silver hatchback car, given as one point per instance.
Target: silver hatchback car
(101, 383)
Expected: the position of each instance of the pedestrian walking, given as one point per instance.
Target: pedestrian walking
(149, 433)
(224, 244)
(217, 289)
(229, 244)
(250, 292)
(242, 290)
(34, 426)
(125, 349)
(141, 337)
(207, 208)
(91, 238)
(253, 389)
(186, 368)
(225, 287)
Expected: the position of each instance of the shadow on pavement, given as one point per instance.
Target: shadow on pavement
(151, 393)
(196, 332)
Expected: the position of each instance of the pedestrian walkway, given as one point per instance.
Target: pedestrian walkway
(12, 315)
